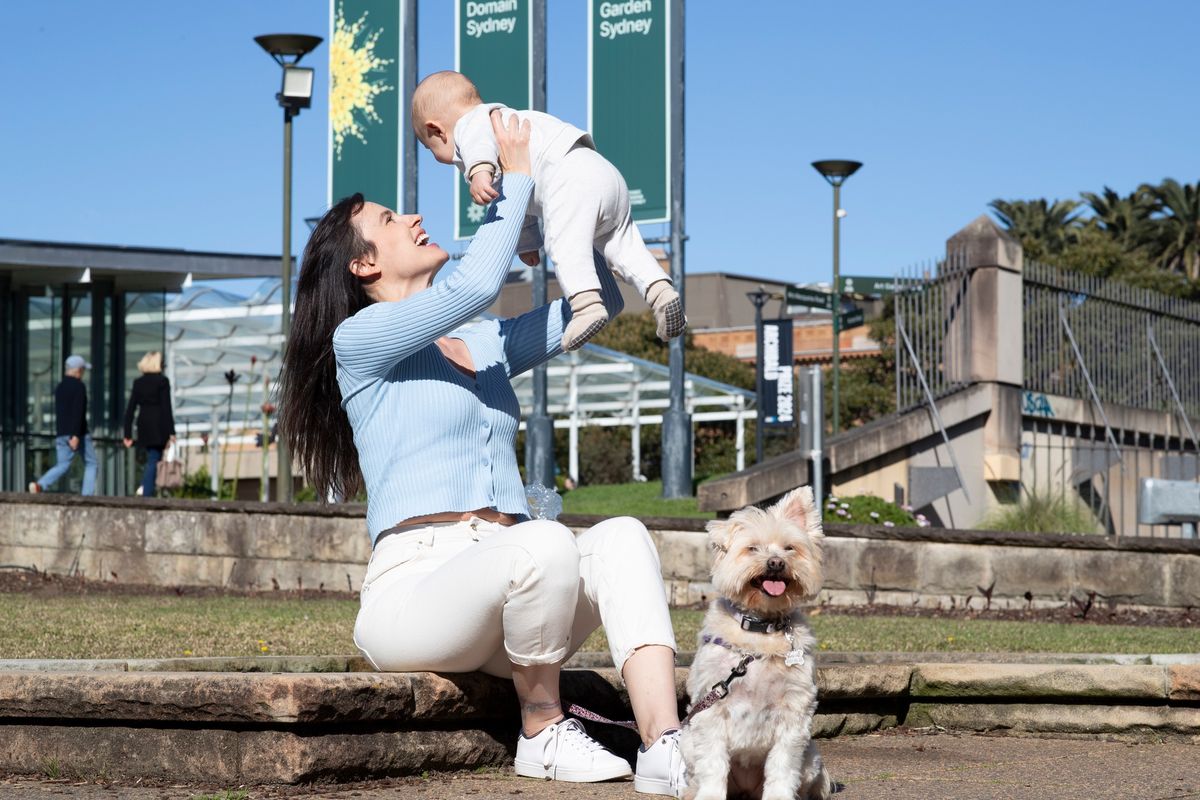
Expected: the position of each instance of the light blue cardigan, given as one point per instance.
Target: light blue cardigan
(430, 438)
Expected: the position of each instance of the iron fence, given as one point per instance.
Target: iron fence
(1101, 469)
(932, 331)
(1138, 348)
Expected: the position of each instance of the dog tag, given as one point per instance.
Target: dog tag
(793, 657)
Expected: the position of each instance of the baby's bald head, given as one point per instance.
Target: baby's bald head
(443, 97)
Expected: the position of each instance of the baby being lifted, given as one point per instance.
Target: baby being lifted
(581, 198)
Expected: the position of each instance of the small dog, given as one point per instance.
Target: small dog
(757, 741)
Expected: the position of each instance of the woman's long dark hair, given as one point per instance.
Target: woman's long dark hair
(311, 418)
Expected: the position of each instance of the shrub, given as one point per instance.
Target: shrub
(604, 456)
(865, 509)
(196, 485)
(1035, 512)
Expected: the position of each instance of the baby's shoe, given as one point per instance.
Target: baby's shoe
(588, 317)
(668, 309)
(563, 751)
(660, 767)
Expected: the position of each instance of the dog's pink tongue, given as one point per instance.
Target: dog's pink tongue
(774, 588)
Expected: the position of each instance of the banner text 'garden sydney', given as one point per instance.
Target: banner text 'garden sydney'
(628, 99)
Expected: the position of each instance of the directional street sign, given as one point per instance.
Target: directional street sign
(807, 298)
(867, 284)
(850, 319)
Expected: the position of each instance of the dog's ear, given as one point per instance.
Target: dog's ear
(798, 507)
(719, 533)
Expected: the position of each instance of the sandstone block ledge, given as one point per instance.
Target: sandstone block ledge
(121, 719)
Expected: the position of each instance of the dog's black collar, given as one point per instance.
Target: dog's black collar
(756, 624)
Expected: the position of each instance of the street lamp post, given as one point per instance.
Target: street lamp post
(295, 93)
(759, 299)
(836, 172)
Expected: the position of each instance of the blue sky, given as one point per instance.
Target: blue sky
(150, 123)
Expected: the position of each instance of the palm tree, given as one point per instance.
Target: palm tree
(1042, 227)
(1128, 220)
(1179, 206)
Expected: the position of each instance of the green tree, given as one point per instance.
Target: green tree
(1127, 220)
(1179, 205)
(1043, 228)
(867, 389)
(633, 334)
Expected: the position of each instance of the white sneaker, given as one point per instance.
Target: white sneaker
(660, 767)
(563, 751)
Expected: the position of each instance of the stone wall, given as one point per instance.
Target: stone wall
(237, 545)
(265, 546)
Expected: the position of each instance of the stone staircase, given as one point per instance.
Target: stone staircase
(292, 720)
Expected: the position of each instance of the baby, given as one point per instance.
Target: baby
(581, 198)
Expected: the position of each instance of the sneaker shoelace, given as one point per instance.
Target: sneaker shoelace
(677, 770)
(570, 734)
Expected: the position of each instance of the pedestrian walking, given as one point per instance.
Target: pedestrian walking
(72, 437)
(150, 399)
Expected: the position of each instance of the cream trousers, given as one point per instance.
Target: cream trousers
(475, 595)
(586, 207)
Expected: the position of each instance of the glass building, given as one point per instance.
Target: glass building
(105, 303)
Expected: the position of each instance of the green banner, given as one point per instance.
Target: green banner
(493, 46)
(365, 117)
(629, 108)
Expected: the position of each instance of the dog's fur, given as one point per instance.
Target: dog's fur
(757, 741)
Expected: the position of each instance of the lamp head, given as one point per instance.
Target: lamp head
(282, 45)
(287, 49)
(836, 170)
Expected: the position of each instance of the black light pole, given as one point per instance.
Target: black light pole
(296, 93)
(836, 172)
(759, 299)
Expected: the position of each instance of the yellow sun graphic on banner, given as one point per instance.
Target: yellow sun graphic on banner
(352, 59)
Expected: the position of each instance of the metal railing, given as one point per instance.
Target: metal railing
(1079, 464)
(932, 357)
(1140, 348)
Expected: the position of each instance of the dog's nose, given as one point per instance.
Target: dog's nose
(774, 565)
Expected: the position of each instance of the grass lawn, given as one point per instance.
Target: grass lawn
(632, 499)
(93, 626)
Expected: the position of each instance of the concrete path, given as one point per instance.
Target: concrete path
(901, 765)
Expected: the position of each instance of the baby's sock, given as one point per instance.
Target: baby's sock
(668, 309)
(588, 317)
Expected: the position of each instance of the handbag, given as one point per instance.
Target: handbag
(170, 472)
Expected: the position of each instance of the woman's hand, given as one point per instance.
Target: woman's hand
(512, 141)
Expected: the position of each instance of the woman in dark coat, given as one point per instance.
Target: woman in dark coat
(151, 398)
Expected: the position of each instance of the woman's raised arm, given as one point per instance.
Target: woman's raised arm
(536, 336)
(372, 341)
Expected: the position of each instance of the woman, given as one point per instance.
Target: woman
(385, 387)
(151, 399)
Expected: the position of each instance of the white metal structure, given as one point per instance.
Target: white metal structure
(212, 333)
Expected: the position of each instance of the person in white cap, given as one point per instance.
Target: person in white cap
(70, 407)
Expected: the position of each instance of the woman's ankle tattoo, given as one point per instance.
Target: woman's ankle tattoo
(530, 707)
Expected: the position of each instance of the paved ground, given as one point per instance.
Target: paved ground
(896, 766)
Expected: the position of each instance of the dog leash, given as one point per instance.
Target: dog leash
(719, 691)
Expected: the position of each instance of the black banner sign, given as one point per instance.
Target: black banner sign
(775, 375)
